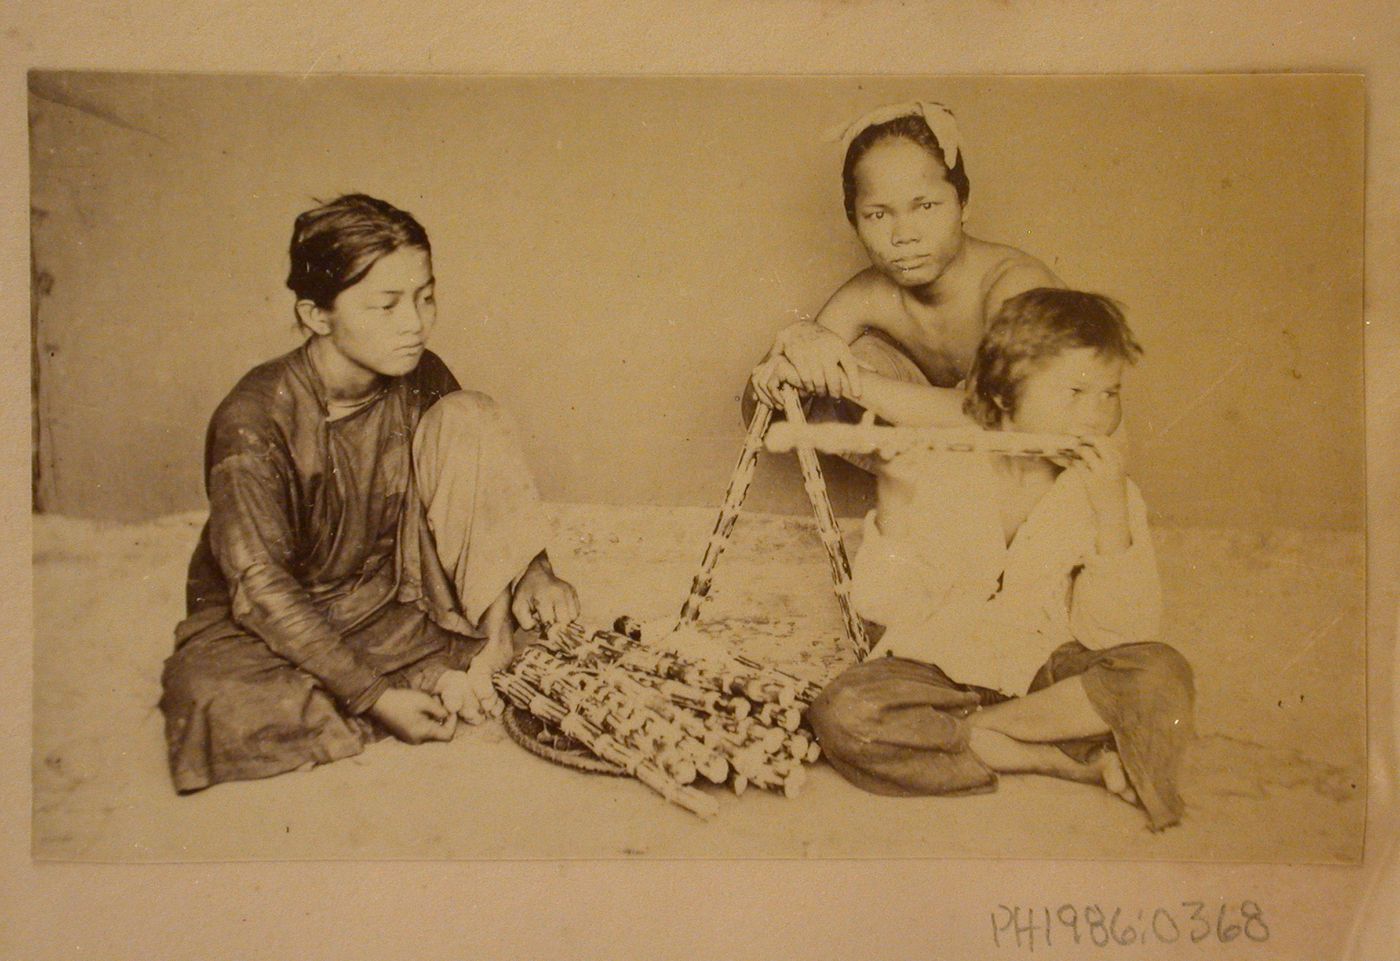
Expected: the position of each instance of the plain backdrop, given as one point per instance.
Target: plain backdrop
(613, 255)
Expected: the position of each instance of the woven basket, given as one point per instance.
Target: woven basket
(524, 729)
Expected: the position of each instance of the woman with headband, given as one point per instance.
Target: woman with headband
(1030, 581)
(907, 325)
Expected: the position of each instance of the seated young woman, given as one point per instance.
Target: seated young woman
(374, 536)
(909, 323)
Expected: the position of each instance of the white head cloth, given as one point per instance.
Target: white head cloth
(938, 117)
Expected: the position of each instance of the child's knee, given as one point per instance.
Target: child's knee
(873, 699)
(837, 717)
(1144, 679)
(826, 713)
(1162, 665)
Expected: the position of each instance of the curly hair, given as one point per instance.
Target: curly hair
(1032, 328)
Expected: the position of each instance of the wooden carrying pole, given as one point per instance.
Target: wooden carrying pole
(827, 527)
(886, 441)
(738, 489)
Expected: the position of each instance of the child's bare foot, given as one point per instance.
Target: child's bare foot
(1009, 756)
(1110, 769)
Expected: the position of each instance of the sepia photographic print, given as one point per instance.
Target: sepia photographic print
(726, 467)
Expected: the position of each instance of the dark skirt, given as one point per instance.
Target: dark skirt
(899, 727)
(234, 710)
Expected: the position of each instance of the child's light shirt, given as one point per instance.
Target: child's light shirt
(988, 613)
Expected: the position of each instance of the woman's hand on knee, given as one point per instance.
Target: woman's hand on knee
(414, 716)
(542, 600)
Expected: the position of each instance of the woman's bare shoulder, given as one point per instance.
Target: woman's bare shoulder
(998, 260)
(1007, 271)
(868, 298)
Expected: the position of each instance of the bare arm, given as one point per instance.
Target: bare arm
(1116, 597)
(906, 404)
(817, 352)
(920, 405)
(858, 305)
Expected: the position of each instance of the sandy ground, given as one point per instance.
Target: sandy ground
(1272, 621)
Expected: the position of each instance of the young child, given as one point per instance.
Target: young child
(1000, 575)
(374, 535)
(913, 318)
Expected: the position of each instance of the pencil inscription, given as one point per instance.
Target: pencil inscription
(1026, 928)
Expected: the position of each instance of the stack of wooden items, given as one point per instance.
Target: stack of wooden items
(664, 718)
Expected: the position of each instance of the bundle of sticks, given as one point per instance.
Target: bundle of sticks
(665, 718)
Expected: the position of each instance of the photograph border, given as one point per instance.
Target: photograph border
(654, 909)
